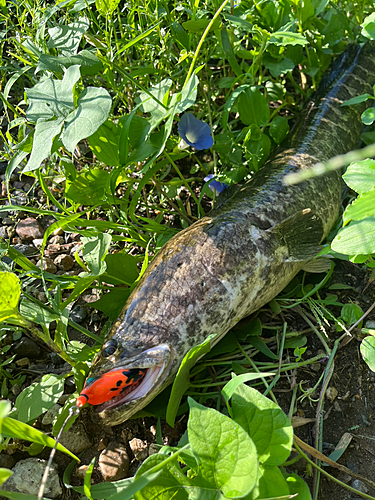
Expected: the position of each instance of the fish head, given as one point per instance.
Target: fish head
(123, 381)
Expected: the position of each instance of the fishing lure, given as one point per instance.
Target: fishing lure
(99, 390)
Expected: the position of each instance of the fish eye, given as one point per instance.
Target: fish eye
(109, 348)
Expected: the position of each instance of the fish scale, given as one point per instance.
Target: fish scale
(229, 264)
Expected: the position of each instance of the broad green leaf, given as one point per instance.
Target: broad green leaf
(356, 238)
(225, 453)
(368, 116)
(45, 132)
(297, 486)
(187, 96)
(93, 107)
(10, 292)
(253, 107)
(37, 313)
(149, 105)
(262, 347)
(360, 176)
(181, 382)
(265, 422)
(4, 475)
(171, 482)
(88, 188)
(259, 150)
(279, 129)
(106, 7)
(39, 397)
(138, 131)
(52, 98)
(14, 428)
(121, 269)
(351, 313)
(105, 490)
(200, 25)
(229, 388)
(276, 67)
(367, 349)
(66, 38)
(363, 206)
(356, 100)
(272, 484)
(368, 27)
(15, 495)
(112, 302)
(287, 38)
(87, 60)
(95, 250)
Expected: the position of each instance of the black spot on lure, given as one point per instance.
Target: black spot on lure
(232, 262)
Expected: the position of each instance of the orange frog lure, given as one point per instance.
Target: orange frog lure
(99, 390)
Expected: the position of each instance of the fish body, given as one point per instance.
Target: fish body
(230, 263)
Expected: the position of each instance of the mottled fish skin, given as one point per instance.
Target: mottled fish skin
(232, 262)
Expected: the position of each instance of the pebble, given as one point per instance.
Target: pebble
(38, 242)
(26, 347)
(75, 439)
(29, 229)
(153, 449)
(139, 449)
(114, 462)
(41, 296)
(56, 240)
(359, 486)
(18, 198)
(78, 314)
(58, 232)
(8, 221)
(3, 232)
(23, 362)
(48, 265)
(6, 461)
(27, 475)
(64, 262)
(25, 249)
(51, 414)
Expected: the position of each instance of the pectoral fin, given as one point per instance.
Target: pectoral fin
(302, 233)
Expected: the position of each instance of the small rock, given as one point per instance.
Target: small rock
(51, 414)
(114, 462)
(29, 229)
(75, 438)
(16, 390)
(64, 262)
(58, 232)
(153, 449)
(38, 242)
(8, 221)
(48, 265)
(26, 347)
(102, 444)
(24, 249)
(56, 240)
(139, 449)
(359, 486)
(77, 314)
(27, 187)
(331, 393)
(6, 461)
(18, 185)
(23, 362)
(18, 198)
(3, 232)
(27, 475)
(41, 296)
(81, 471)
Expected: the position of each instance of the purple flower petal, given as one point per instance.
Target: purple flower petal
(215, 185)
(195, 132)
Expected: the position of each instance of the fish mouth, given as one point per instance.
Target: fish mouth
(156, 363)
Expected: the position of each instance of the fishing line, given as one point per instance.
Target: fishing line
(73, 411)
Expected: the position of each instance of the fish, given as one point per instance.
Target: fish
(233, 261)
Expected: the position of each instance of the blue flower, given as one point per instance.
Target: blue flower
(215, 185)
(195, 132)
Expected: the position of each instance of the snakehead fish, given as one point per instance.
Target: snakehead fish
(233, 261)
